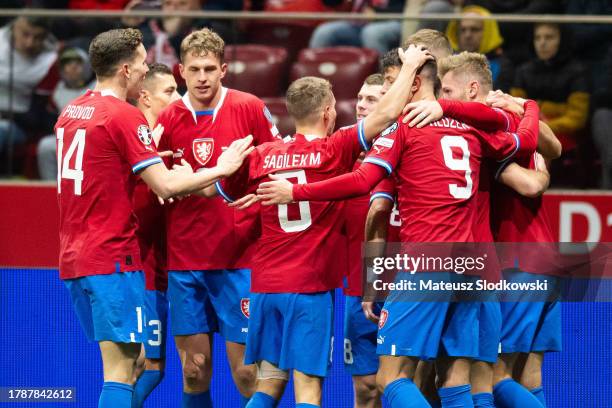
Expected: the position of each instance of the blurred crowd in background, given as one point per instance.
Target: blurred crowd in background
(567, 68)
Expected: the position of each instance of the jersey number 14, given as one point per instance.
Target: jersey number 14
(63, 166)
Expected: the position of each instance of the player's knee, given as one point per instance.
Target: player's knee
(244, 376)
(366, 389)
(197, 372)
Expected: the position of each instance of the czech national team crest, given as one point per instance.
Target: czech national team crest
(244, 307)
(144, 134)
(203, 150)
(383, 318)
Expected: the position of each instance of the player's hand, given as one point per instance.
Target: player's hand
(166, 153)
(184, 167)
(157, 133)
(368, 311)
(414, 55)
(231, 159)
(498, 99)
(245, 202)
(422, 113)
(277, 191)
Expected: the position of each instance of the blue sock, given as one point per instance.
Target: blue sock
(539, 394)
(403, 393)
(304, 405)
(456, 397)
(201, 400)
(243, 401)
(261, 400)
(145, 385)
(483, 400)
(510, 394)
(115, 395)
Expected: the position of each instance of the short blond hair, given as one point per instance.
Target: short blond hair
(307, 96)
(472, 64)
(434, 40)
(375, 79)
(201, 43)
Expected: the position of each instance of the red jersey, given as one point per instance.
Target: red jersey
(517, 218)
(151, 233)
(101, 140)
(355, 214)
(438, 171)
(388, 189)
(298, 247)
(205, 233)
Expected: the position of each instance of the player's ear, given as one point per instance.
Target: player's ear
(145, 98)
(126, 71)
(416, 85)
(474, 88)
(223, 70)
(182, 70)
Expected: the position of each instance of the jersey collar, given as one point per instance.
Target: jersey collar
(189, 106)
(108, 92)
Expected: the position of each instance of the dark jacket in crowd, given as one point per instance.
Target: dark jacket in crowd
(561, 88)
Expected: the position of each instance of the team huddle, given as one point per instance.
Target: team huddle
(195, 210)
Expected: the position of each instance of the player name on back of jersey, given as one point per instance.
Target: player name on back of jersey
(284, 160)
(78, 112)
(450, 123)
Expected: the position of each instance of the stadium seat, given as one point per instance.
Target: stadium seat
(346, 112)
(344, 67)
(281, 118)
(294, 37)
(257, 69)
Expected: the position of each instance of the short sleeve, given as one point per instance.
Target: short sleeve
(134, 139)
(385, 189)
(387, 149)
(264, 130)
(346, 145)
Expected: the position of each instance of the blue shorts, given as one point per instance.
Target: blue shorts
(489, 331)
(530, 326)
(210, 301)
(156, 324)
(360, 356)
(110, 307)
(427, 329)
(292, 331)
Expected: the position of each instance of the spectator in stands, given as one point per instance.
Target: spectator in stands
(602, 118)
(28, 75)
(380, 35)
(76, 78)
(558, 81)
(516, 35)
(480, 36)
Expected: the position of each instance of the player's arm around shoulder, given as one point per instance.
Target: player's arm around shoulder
(527, 182)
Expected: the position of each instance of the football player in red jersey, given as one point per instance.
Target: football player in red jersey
(158, 90)
(101, 140)
(435, 191)
(528, 328)
(360, 357)
(293, 280)
(208, 243)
